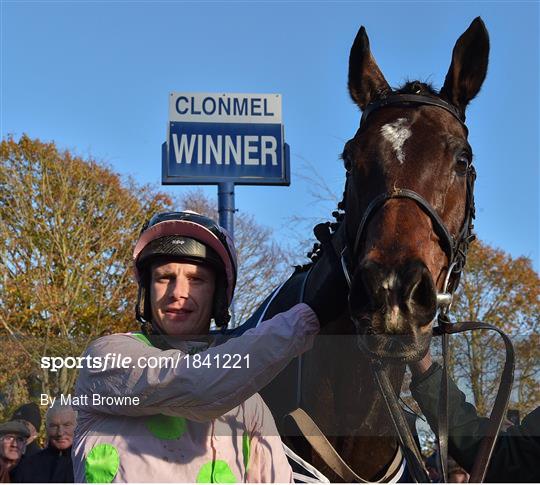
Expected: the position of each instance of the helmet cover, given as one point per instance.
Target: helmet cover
(187, 235)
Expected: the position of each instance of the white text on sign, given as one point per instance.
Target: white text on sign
(225, 149)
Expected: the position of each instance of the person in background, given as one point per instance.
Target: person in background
(29, 414)
(13, 436)
(53, 464)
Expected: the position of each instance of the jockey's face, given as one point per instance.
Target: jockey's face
(181, 296)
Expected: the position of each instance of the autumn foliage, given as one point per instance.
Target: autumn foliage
(504, 291)
(66, 235)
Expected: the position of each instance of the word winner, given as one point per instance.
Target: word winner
(225, 149)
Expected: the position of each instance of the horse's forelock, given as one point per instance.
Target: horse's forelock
(417, 87)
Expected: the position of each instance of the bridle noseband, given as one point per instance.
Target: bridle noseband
(454, 248)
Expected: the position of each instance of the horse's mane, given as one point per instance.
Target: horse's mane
(408, 87)
(316, 252)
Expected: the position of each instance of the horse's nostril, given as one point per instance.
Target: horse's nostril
(420, 294)
(366, 287)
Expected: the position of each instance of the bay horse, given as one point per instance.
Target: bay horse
(401, 236)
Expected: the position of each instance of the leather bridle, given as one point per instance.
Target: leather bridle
(456, 249)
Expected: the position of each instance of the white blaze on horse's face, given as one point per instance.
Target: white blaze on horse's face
(394, 313)
(397, 133)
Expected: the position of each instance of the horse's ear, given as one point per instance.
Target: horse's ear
(469, 65)
(366, 81)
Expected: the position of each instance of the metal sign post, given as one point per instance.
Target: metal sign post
(226, 219)
(226, 206)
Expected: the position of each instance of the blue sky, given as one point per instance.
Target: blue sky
(95, 78)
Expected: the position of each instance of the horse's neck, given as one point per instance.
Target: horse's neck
(340, 394)
(338, 388)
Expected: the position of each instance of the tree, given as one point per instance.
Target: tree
(263, 264)
(67, 228)
(503, 291)
(324, 197)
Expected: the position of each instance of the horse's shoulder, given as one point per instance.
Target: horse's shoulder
(282, 298)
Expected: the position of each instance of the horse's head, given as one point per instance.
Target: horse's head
(408, 198)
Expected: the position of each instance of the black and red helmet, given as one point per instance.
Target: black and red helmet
(186, 236)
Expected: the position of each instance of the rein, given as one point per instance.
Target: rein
(483, 456)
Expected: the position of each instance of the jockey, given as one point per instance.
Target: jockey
(193, 412)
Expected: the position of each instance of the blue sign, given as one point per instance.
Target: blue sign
(214, 138)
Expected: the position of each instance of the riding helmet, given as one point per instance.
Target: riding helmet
(191, 237)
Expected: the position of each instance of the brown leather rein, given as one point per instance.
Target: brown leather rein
(483, 457)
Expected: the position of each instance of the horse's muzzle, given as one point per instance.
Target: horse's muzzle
(393, 308)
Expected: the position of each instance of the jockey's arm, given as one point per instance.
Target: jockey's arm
(185, 388)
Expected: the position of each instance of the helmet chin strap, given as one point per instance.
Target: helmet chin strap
(139, 315)
(220, 310)
(147, 326)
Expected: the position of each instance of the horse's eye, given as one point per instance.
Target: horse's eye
(347, 161)
(463, 163)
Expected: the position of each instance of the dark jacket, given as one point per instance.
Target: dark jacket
(516, 456)
(49, 465)
(31, 449)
